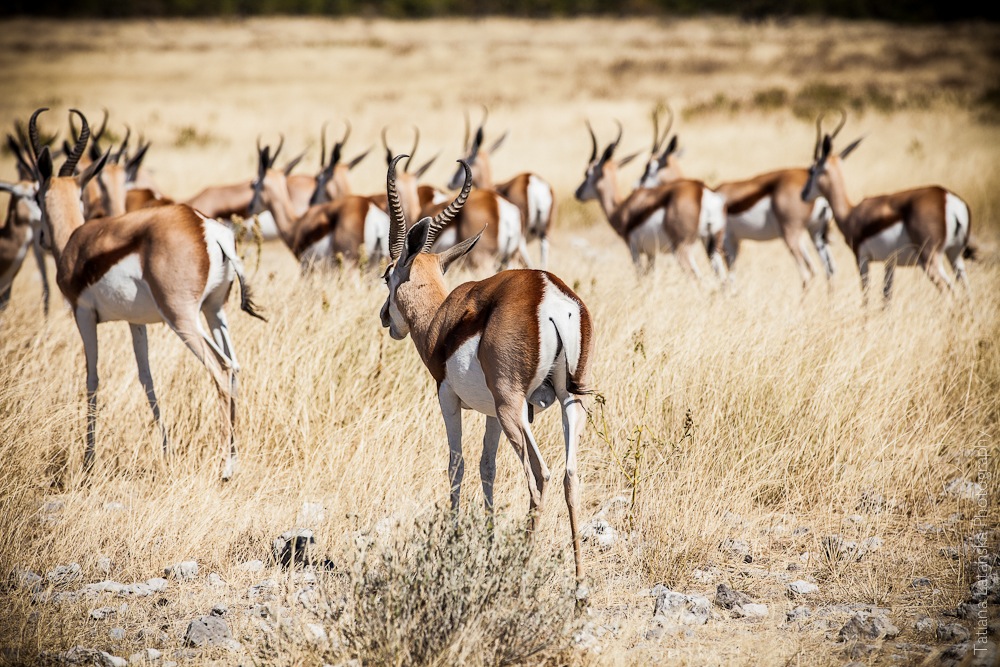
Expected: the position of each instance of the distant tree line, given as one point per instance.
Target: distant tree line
(897, 11)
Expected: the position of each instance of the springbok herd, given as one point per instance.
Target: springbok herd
(505, 346)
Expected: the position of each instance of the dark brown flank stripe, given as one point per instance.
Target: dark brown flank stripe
(343, 219)
(661, 197)
(101, 243)
(512, 295)
(921, 210)
(12, 236)
(516, 192)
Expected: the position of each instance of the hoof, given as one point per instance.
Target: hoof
(230, 468)
(582, 595)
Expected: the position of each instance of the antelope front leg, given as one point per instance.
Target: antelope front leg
(140, 346)
(451, 410)
(86, 322)
(39, 253)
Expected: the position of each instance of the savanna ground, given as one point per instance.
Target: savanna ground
(739, 431)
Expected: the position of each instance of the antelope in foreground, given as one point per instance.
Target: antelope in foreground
(910, 227)
(533, 195)
(169, 264)
(342, 229)
(502, 346)
(20, 229)
(680, 216)
(762, 208)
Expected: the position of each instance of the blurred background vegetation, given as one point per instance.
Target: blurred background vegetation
(900, 11)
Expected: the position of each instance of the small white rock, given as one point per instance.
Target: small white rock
(252, 566)
(801, 587)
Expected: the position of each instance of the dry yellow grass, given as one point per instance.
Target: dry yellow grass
(799, 406)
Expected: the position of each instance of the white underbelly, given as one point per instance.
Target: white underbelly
(757, 223)
(267, 227)
(376, 232)
(892, 241)
(464, 375)
(539, 205)
(650, 238)
(317, 252)
(509, 232)
(122, 295)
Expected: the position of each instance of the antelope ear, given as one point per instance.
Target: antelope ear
(847, 151)
(498, 142)
(93, 169)
(133, 164)
(628, 158)
(294, 162)
(447, 257)
(356, 161)
(44, 165)
(415, 240)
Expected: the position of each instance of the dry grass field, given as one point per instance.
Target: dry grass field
(731, 434)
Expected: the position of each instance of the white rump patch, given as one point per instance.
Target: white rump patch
(509, 232)
(376, 232)
(539, 204)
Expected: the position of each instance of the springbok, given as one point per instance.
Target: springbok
(533, 195)
(680, 216)
(765, 207)
(169, 264)
(107, 194)
(343, 229)
(223, 202)
(330, 182)
(504, 346)
(485, 211)
(21, 228)
(408, 183)
(910, 227)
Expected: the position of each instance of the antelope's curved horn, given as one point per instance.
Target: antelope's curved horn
(347, 132)
(397, 223)
(104, 125)
(385, 145)
(36, 145)
(451, 210)
(666, 130)
(593, 142)
(124, 146)
(817, 149)
(465, 141)
(840, 125)
(486, 115)
(322, 145)
(281, 143)
(619, 137)
(413, 151)
(69, 166)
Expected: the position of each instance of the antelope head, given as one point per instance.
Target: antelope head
(412, 267)
(601, 170)
(662, 165)
(476, 156)
(107, 193)
(270, 182)
(59, 197)
(331, 181)
(823, 161)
